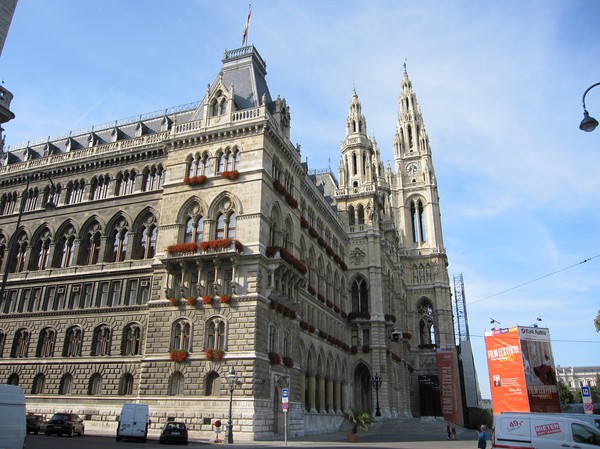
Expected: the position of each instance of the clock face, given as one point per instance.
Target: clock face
(412, 168)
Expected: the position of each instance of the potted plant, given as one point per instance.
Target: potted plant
(359, 419)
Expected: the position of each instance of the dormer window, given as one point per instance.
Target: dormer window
(92, 140)
(165, 125)
(115, 134)
(139, 129)
(219, 104)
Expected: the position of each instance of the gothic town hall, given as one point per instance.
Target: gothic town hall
(183, 243)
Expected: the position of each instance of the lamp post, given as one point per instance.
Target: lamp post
(588, 124)
(231, 380)
(376, 382)
(49, 206)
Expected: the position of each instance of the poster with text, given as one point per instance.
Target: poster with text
(505, 366)
(539, 371)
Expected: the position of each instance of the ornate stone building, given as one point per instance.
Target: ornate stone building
(190, 241)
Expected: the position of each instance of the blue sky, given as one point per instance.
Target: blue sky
(499, 85)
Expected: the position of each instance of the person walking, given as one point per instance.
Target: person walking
(448, 431)
(453, 432)
(482, 437)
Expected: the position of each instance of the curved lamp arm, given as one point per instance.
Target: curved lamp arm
(588, 124)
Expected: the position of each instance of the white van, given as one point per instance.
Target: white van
(133, 422)
(542, 431)
(13, 424)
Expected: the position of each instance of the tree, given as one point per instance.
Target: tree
(597, 322)
(565, 393)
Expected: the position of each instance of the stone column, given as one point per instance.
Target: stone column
(312, 392)
(330, 396)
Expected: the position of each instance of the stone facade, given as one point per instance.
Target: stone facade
(194, 240)
(577, 376)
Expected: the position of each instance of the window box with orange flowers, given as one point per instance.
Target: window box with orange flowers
(194, 180)
(207, 299)
(225, 299)
(214, 354)
(274, 358)
(174, 301)
(190, 301)
(221, 244)
(182, 248)
(179, 355)
(288, 362)
(304, 222)
(231, 174)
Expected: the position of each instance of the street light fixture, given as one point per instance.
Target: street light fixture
(49, 206)
(376, 382)
(588, 124)
(231, 380)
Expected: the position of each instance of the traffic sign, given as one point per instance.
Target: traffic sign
(585, 392)
(588, 407)
(284, 392)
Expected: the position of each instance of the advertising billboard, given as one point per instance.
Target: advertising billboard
(521, 370)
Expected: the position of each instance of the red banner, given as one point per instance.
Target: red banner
(449, 385)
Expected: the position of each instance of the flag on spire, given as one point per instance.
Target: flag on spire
(245, 33)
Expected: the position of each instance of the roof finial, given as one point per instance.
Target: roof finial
(405, 66)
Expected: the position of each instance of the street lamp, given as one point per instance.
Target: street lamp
(231, 380)
(376, 381)
(588, 124)
(49, 206)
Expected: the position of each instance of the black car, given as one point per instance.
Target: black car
(65, 423)
(35, 423)
(174, 432)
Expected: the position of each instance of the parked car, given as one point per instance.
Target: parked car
(35, 423)
(65, 423)
(174, 432)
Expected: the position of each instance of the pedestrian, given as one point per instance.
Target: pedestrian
(482, 438)
(448, 431)
(453, 432)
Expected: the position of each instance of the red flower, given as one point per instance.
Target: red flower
(207, 299)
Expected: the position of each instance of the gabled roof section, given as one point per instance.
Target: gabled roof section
(244, 70)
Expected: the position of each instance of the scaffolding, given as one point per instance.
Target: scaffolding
(461, 324)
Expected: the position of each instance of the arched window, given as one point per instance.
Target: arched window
(17, 264)
(194, 229)
(426, 322)
(20, 344)
(193, 166)
(125, 183)
(360, 214)
(120, 240)
(351, 217)
(176, 384)
(360, 295)
(37, 386)
(63, 257)
(102, 341)
(149, 234)
(95, 385)
(46, 343)
(222, 163)
(181, 332)
(73, 342)
(90, 245)
(225, 226)
(13, 379)
(41, 251)
(31, 200)
(66, 383)
(126, 385)
(153, 178)
(215, 334)
(418, 222)
(213, 384)
(273, 338)
(132, 336)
